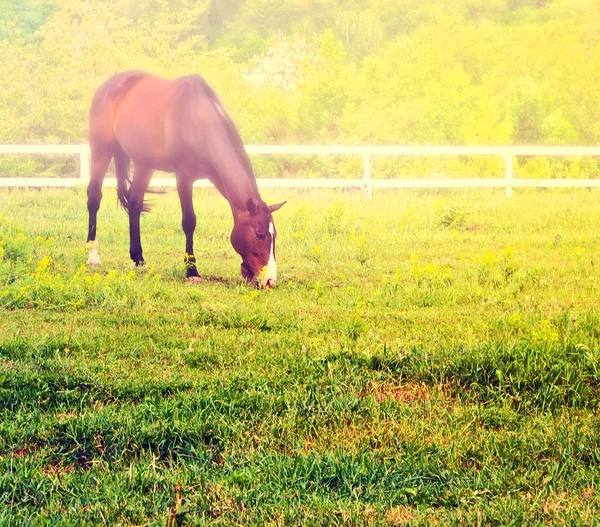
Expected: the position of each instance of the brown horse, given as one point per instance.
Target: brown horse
(177, 126)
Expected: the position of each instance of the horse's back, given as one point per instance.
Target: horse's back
(130, 112)
(153, 119)
(117, 84)
(101, 125)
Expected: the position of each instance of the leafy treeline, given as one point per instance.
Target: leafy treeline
(321, 71)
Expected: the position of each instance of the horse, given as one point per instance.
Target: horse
(181, 126)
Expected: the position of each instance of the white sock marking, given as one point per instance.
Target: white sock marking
(93, 258)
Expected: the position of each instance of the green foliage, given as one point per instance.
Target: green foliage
(20, 19)
(17, 167)
(472, 72)
(281, 66)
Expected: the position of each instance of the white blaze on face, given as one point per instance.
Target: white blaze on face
(93, 258)
(271, 273)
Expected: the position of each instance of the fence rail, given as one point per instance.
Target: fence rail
(508, 153)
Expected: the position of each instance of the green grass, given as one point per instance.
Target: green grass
(426, 358)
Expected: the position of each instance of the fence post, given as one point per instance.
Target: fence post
(84, 165)
(508, 163)
(367, 176)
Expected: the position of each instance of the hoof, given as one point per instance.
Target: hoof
(94, 261)
(194, 280)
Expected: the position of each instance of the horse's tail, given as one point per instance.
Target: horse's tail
(122, 163)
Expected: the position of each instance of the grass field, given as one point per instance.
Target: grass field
(425, 359)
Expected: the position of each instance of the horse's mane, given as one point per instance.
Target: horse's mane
(231, 130)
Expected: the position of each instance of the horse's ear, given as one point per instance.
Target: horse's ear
(273, 208)
(252, 206)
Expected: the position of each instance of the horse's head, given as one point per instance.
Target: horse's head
(253, 238)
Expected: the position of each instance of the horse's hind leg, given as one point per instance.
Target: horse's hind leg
(139, 184)
(99, 164)
(188, 223)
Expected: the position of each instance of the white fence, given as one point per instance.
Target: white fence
(508, 153)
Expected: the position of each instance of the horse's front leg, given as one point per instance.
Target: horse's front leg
(188, 222)
(139, 184)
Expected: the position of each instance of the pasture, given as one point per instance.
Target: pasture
(425, 358)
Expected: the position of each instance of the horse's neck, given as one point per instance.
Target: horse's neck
(235, 178)
(228, 157)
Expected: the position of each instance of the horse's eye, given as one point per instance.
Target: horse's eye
(261, 235)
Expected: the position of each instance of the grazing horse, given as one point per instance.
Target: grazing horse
(177, 126)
